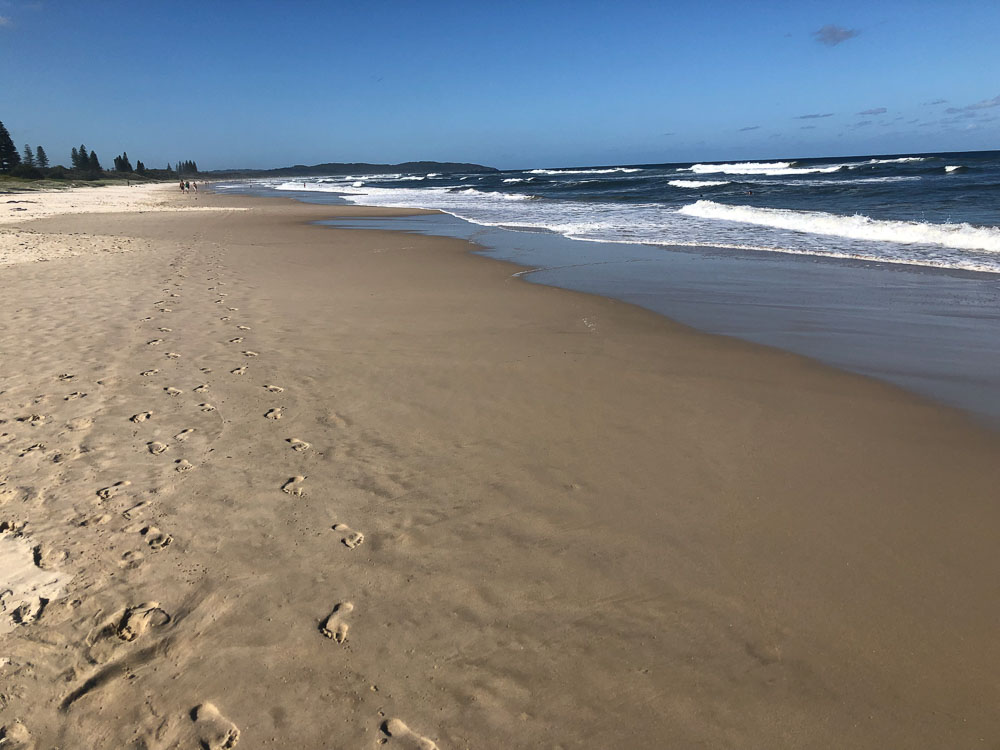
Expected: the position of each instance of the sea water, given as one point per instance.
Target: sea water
(883, 265)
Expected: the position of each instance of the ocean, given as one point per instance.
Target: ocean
(887, 266)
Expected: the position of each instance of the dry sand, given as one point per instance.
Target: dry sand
(315, 488)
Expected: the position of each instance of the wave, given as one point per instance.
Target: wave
(899, 160)
(954, 168)
(518, 179)
(698, 183)
(958, 236)
(770, 169)
(583, 171)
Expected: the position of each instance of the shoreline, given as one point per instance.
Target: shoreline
(930, 331)
(582, 520)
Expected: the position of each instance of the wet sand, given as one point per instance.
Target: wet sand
(332, 488)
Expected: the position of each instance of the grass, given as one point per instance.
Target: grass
(10, 184)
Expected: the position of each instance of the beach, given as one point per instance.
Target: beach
(306, 486)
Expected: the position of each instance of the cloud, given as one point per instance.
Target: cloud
(936, 101)
(4, 21)
(750, 127)
(875, 111)
(985, 104)
(861, 124)
(813, 117)
(832, 35)
(807, 127)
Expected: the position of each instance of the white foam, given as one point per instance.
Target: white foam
(952, 167)
(761, 168)
(517, 179)
(959, 236)
(698, 183)
(583, 171)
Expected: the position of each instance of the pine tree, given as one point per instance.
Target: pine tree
(126, 164)
(84, 157)
(41, 158)
(74, 158)
(140, 168)
(9, 158)
(93, 164)
(29, 156)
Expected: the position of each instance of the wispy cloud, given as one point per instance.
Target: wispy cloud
(807, 127)
(832, 35)
(5, 21)
(813, 117)
(985, 104)
(875, 111)
(750, 127)
(935, 102)
(861, 124)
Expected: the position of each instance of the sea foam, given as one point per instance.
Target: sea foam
(857, 227)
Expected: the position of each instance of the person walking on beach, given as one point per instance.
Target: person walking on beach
(182, 186)
(187, 185)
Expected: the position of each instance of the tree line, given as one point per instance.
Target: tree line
(33, 164)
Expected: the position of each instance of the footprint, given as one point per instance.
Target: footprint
(106, 493)
(66, 376)
(351, 538)
(206, 407)
(334, 626)
(138, 619)
(237, 340)
(402, 736)
(232, 309)
(275, 388)
(294, 486)
(154, 342)
(225, 317)
(147, 373)
(171, 391)
(183, 464)
(32, 449)
(74, 395)
(215, 731)
(15, 736)
(298, 445)
(80, 423)
(35, 420)
(131, 559)
(141, 416)
(244, 328)
(156, 447)
(201, 388)
(273, 413)
(249, 353)
(165, 310)
(239, 370)
(183, 434)
(164, 330)
(155, 538)
(172, 355)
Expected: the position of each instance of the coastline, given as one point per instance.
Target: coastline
(585, 524)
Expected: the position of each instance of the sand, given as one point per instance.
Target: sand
(319, 488)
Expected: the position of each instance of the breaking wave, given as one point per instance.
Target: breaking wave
(958, 236)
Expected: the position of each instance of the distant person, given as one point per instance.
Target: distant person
(195, 186)
(187, 185)
(182, 186)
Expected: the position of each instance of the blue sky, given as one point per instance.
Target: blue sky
(267, 84)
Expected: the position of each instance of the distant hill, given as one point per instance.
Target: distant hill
(358, 168)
